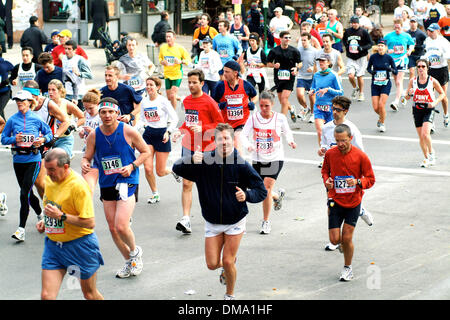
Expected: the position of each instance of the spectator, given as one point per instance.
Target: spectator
(34, 37)
(100, 15)
(5, 88)
(55, 41)
(159, 36)
(2, 35)
(58, 52)
(255, 19)
(6, 15)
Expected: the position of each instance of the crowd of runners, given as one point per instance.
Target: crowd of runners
(229, 116)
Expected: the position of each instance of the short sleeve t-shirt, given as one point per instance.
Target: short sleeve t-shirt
(125, 95)
(73, 197)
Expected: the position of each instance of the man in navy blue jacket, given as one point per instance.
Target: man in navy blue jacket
(225, 182)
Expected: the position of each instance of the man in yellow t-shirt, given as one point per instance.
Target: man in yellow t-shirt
(71, 243)
(172, 56)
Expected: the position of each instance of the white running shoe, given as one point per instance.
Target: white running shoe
(382, 127)
(154, 198)
(320, 165)
(366, 216)
(19, 235)
(446, 120)
(3, 206)
(125, 271)
(293, 114)
(184, 225)
(431, 159)
(394, 105)
(311, 118)
(229, 297)
(331, 247)
(355, 93)
(346, 274)
(361, 97)
(222, 278)
(265, 227)
(136, 264)
(425, 163)
(433, 128)
(277, 202)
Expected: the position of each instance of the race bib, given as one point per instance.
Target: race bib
(435, 60)
(204, 63)
(170, 60)
(223, 53)
(151, 114)
(27, 141)
(111, 165)
(235, 113)
(325, 107)
(284, 75)
(54, 226)
(398, 49)
(191, 117)
(341, 185)
(380, 78)
(264, 140)
(136, 83)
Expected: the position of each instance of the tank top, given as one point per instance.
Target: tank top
(237, 33)
(267, 138)
(423, 93)
(334, 29)
(23, 76)
(112, 153)
(236, 113)
(255, 58)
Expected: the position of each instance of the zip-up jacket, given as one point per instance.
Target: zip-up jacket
(217, 179)
(29, 124)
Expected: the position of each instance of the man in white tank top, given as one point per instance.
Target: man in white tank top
(26, 70)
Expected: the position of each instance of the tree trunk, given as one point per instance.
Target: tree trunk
(345, 10)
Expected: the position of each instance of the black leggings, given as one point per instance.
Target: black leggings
(26, 174)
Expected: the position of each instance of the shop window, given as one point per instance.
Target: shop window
(59, 9)
(192, 5)
(130, 6)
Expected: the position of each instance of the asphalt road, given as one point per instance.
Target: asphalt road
(404, 255)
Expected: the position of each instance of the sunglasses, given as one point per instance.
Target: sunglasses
(421, 66)
(338, 109)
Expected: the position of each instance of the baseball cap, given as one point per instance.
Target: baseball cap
(65, 33)
(207, 39)
(413, 18)
(354, 19)
(382, 41)
(54, 33)
(310, 20)
(23, 95)
(434, 27)
(324, 56)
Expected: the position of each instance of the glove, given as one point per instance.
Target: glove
(251, 105)
(222, 105)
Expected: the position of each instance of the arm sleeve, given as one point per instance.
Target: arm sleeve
(6, 134)
(246, 131)
(173, 117)
(368, 179)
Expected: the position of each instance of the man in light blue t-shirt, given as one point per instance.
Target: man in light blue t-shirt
(226, 45)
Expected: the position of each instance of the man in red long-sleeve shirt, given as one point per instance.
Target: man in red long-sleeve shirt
(346, 172)
(201, 118)
(58, 52)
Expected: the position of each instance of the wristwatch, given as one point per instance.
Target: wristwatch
(63, 217)
(359, 182)
(132, 117)
(134, 166)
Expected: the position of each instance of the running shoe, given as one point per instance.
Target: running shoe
(311, 119)
(403, 101)
(222, 278)
(307, 114)
(320, 165)
(184, 225)
(19, 235)
(346, 274)
(302, 112)
(361, 97)
(366, 216)
(3, 206)
(446, 120)
(433, 128)
(382, 127)
(293, 114)
(394, 105)
(277, 202)
(154, 198)
(425, 163)
(355, 93)
(378, 123)
(265, 227)
(431, 159)
(125, 271)
(177, 177)
(331, 247)
(229, 297)
(136, 264)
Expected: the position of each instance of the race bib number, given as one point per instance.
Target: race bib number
(284, 75)
(151, 114)
(264, 139)
(341, 185)
(111, 165)
(136, 83)
(54, 226)
(325, 107)
(380, 78)
(170, 60)
(27, 141)
(398, 49)
(435, 60)
(235, 113)
(204, 63)
(223, 53)
(191, 117)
